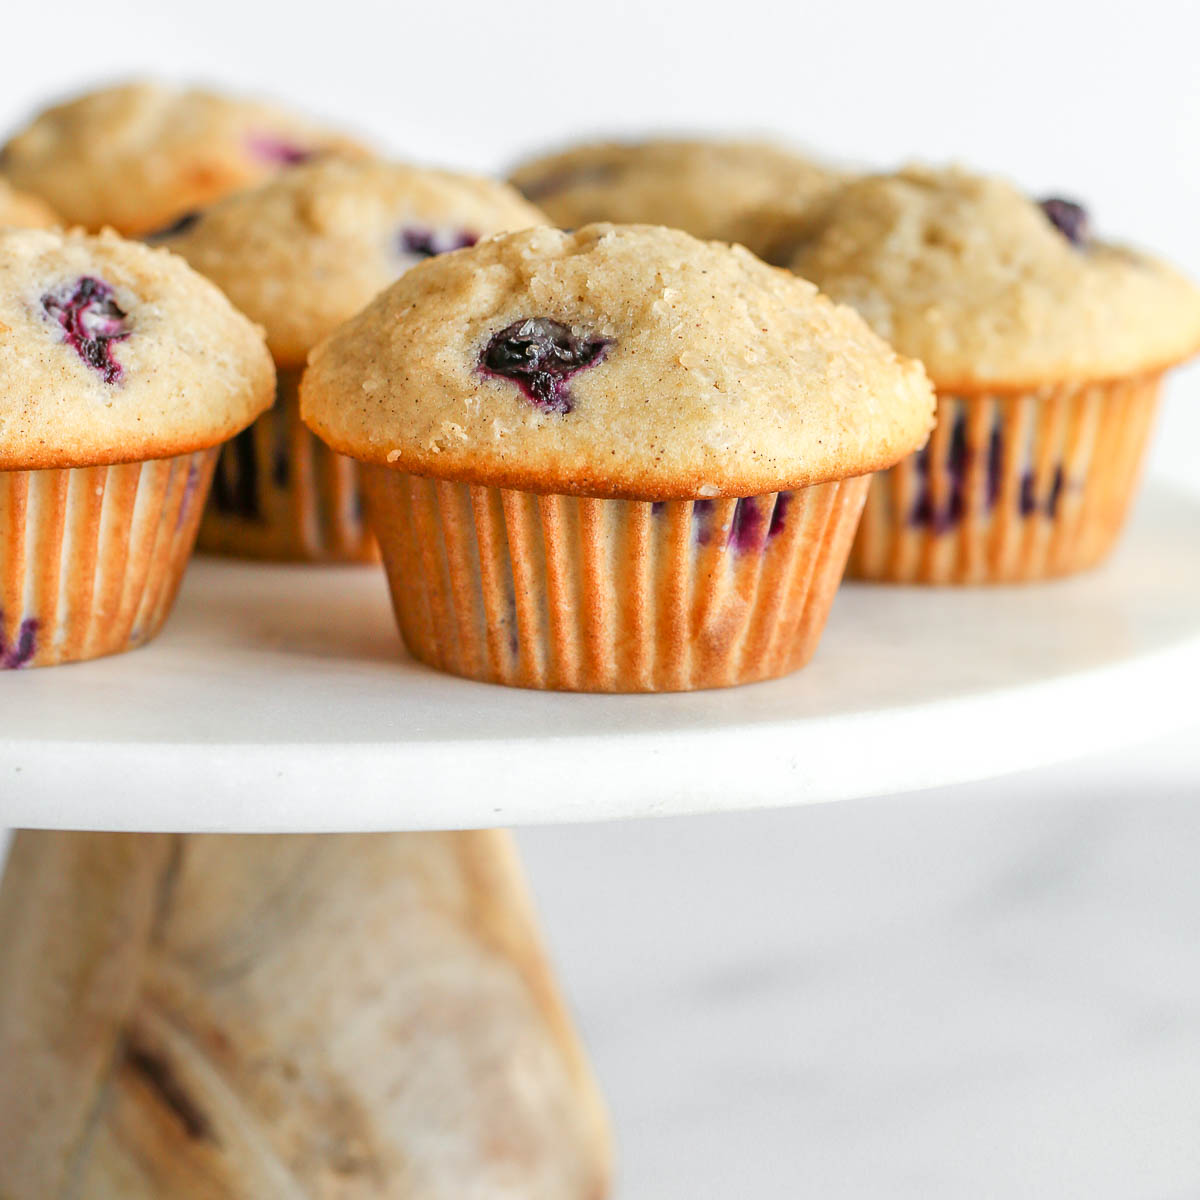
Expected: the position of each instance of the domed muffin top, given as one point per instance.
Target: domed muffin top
(138, 155)
(308, 249)
(113, 352)
(23, 210)
(622, 361)
(705, 187)
(991, 289)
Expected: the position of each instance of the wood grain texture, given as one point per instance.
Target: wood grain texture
(285, 1017)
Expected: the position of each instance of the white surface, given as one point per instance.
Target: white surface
(278, 698)
(984, 993)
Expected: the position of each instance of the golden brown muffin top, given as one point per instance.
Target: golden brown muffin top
(113, 352)
(631, 361)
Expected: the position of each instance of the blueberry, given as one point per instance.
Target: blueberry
(540, 355)
(779, 515)
(420, 242)
(1056, 491)
(91, 321)
(23, 649)
(271, 148)
(958, 459)
(1070, 219)
(1028, 499)
(748, 529)
(179, 226)
(995, 475)
(1031, 505)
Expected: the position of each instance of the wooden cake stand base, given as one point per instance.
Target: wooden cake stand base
(285, 1017)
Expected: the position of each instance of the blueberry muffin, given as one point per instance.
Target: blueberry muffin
(709, 188)
(140, 155)
(25, 211)
(121, 371)
(619, 459)
(1047, 347)
(300, 255)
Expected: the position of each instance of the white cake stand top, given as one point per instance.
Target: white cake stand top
(279, 698)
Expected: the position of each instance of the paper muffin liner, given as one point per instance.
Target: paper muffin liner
(280, 493)
(1011, 487)
(91, 557)
(578, 594)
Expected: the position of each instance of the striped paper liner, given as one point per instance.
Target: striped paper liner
(280, 493)
(579, 594)
(1011, 487)
(91, 558)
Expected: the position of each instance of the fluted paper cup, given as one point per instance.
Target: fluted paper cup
(1011, 487)
(280, 493)
(578, 594)
(91, 558)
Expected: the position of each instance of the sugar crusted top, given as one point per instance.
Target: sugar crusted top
(113, 352)
(137, 155)
(705, 187)
(307, 250)
(622, 361)
(991, 289)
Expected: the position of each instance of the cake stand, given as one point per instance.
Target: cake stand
(370, 1013)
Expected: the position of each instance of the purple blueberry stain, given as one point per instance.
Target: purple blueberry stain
(1056, 490)
(271, 148)
(957, 464)
(748, 529)
(91, 321)
(925, 510)
(190, 484)
(417, 241)
(540, 356)
(995, 477)
(20, 652)
(1028, 501)
(779, 513)
(1070, 219)
(1032, 504)
(702, 515)
(513, 627)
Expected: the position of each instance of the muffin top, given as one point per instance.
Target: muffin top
(138, 155)
(307, 250)
(703, 187)
(19, 208)
(617, 361)
(991, 289)
(112, 352)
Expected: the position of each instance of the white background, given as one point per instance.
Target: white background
(1098, 100)
(988, 992)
